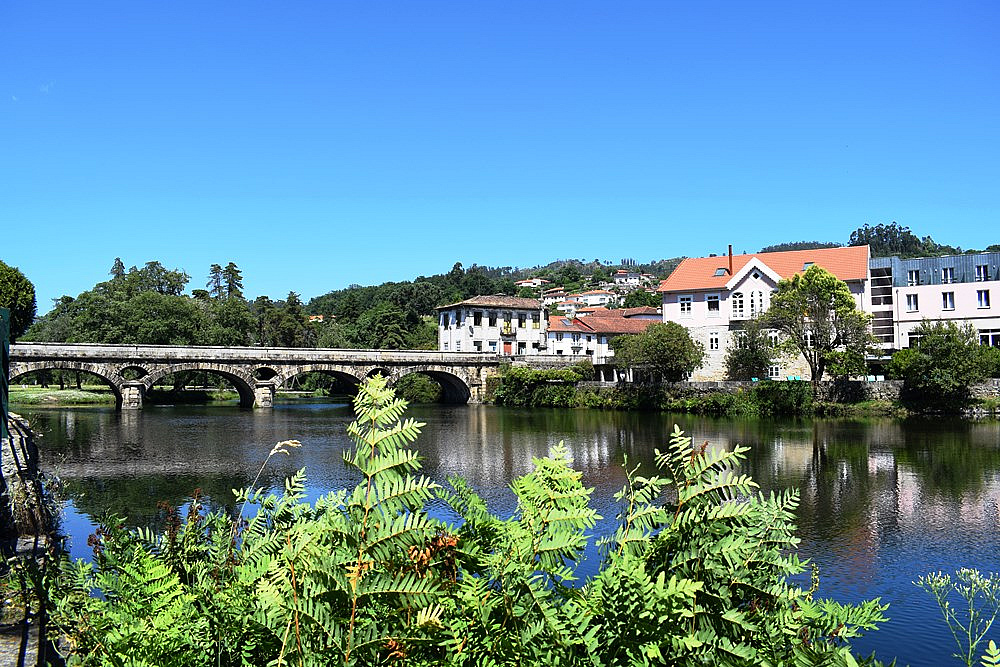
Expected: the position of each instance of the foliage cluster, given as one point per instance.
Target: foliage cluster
(750, 353)
(527, 387)
(698, 572)
(665, 351)
(18, 294)
(938, 373)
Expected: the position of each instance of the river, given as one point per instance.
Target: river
(883, 501)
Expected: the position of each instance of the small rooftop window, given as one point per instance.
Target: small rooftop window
(566, 322)
(806, 265)
(721, 271)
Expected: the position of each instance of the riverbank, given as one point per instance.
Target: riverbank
(565, 388)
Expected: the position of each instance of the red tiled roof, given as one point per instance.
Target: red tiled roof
(622, 312)
(695, 273)
(601, 325)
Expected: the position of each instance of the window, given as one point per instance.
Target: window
(983, 298)
(913, 340)
(772, 337)
(446, 347)
(774, 371)
(947, 300)
(458, 346)
(989, 337)
(806, 265)
(685, 302)
(458, 318)
(588, 339)
(912, 277)
(982, 272)
(713, 341)
(478, 344)
(947, 275)
(493, 319)
(522, 319)
(576, 338)
(737, 300)
(756, 303)
(721, 271)
(535, 321)
(521, 347)
(808, 339)
(445, 320)
(713, 305)
(559, 336)
(912, 304)
(493, 345)
(477, 318)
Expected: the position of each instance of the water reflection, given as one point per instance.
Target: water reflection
(882, 500)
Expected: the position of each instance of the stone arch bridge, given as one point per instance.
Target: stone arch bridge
(255, 372)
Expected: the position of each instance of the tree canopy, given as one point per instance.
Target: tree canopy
(18, 294)
(819, 319)
(665, 350)
(750, 352)
(939, 371)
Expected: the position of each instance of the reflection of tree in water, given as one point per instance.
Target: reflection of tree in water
(136, 499)
(951, 457)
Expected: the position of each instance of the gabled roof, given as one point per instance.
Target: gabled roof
(702, 273)
(498, 301)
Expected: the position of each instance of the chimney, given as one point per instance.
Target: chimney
(730, 259)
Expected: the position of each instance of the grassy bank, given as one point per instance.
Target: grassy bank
(34, 395)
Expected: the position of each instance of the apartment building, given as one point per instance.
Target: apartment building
(715, 296)
(497, 324)
(957, 288)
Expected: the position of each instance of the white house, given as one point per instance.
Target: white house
(497, 324)
(714, 296)
(590, 337)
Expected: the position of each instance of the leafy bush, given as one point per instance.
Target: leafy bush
(365, 576)
(938, 373)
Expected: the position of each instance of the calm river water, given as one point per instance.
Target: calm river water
(883, 501)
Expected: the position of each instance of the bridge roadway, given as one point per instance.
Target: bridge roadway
(257, 372)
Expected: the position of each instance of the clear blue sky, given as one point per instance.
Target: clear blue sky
(319, 144)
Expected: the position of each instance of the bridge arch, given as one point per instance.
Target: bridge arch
(346, 373)
(242, 380)
(454, 389)
(108, 375)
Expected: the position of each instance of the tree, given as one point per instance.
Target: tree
(801, 245)
(640, 298)
(938, 372)
(819, 319)
(233, 279)
(117, 269)
(750, 352)
(214, 283)
(666, 350)
(18, 294)
(892, 239)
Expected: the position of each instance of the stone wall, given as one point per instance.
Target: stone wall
(22, 511)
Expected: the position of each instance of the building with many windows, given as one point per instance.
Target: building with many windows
(715, 296)
(958, 288)
(498, 324)
(590, 337)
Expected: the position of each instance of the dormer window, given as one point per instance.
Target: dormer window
(721, 271)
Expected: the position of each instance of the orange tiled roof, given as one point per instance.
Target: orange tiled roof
(695, 273)
(599, 325)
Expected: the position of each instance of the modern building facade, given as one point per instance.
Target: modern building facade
(503, 325)
(957, 288)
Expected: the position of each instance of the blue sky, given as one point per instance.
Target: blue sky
(319, 144)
